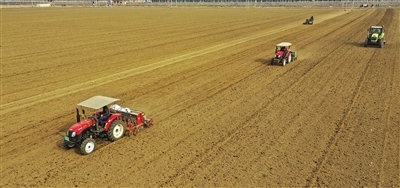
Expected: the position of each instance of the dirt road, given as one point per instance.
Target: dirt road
(223, 115)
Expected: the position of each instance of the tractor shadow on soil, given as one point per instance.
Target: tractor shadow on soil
(265, 61)
(356, 44)
(361, 44)
(60, 145)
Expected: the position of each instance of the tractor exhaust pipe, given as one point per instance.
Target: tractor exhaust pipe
(78, 117)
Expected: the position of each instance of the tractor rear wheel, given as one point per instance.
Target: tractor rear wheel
(116, 130)
(88, 146)
(289, 58)
(380, 43)
(283, 61)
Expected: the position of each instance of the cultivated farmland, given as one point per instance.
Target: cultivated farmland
(224, 116)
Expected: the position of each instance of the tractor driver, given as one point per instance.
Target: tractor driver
(284, 49)
(104, 115)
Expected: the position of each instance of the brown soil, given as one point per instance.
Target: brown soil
(223, 115)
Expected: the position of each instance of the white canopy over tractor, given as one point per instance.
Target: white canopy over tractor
(284, 44)
(97, 102)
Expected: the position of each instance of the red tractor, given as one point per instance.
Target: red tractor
(107, 121)
(283, 54)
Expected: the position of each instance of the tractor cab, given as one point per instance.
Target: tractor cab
(282, 49)
(99, 107)
(376, 29)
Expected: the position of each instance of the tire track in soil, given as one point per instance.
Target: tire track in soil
(285, 72)
(339, 47)
(245, 123)
(71, 64)
(203, 98)
(389, 109)
(296, 117)
(272, 77)
(111, 43)
(29, 101)
(309, 40)
(112, 144)
(387, 120)
(176, 27)
(220, 143)
(91, 59)
(360, 86)
(16, 105)
(147, 89)
(44, 121)
(193, 133)
(171, 147)
(340, 125)
(312, 180)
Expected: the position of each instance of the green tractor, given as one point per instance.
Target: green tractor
(376, 36)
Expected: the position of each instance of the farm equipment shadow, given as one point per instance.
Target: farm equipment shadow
(60, 145)
(265, 62)
(358, 44)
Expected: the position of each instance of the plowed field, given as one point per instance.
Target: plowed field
(224, 116)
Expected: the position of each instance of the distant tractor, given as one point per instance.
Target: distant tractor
(309, 21)
(283, 54)
(107, 121)
(376, 36)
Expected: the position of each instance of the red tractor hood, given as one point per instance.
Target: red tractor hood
(279, 53)
(81, 126)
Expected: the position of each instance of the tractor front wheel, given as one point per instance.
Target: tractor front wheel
(88, 146)
(116, 130)
(289, 58)
(283, 61)
(380, 43)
